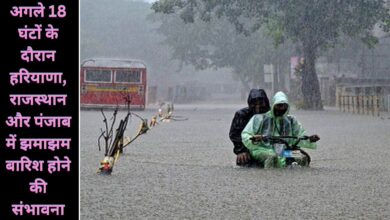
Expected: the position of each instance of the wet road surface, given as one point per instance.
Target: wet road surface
(185, 170)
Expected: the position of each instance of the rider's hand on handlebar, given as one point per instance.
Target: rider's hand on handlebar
(257, 137)
(314, 138)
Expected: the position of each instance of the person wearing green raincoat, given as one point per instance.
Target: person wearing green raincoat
(276, 122)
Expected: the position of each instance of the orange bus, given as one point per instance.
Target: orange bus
(105, 83)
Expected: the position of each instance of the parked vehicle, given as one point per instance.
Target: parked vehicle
(106, 82)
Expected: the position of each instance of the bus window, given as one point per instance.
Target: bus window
(98, 76)
(123, 76)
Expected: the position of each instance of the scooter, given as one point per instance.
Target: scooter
(295, 156)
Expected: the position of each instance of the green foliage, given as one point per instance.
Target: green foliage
(317, 22)
(214, 42)
(370, 40)
(315, 25)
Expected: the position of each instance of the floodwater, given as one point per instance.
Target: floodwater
(185, 170)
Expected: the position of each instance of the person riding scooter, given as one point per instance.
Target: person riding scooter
(258, 103)
(276, 122)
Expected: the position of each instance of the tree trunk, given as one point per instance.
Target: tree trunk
(245, 83)
(310, 84)
(246, 86)
(261, 82)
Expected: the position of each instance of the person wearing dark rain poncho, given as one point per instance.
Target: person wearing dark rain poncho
(258, 103)
(276, 122)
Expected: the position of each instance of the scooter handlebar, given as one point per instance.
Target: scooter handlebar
(281, 139)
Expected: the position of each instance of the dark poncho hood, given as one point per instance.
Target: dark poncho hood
(256, 94)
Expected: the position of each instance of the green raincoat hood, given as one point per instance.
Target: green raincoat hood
(279, 98)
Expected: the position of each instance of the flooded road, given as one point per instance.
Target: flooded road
(185, 170)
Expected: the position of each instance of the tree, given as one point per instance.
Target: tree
(315, 25)
(216, 44)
